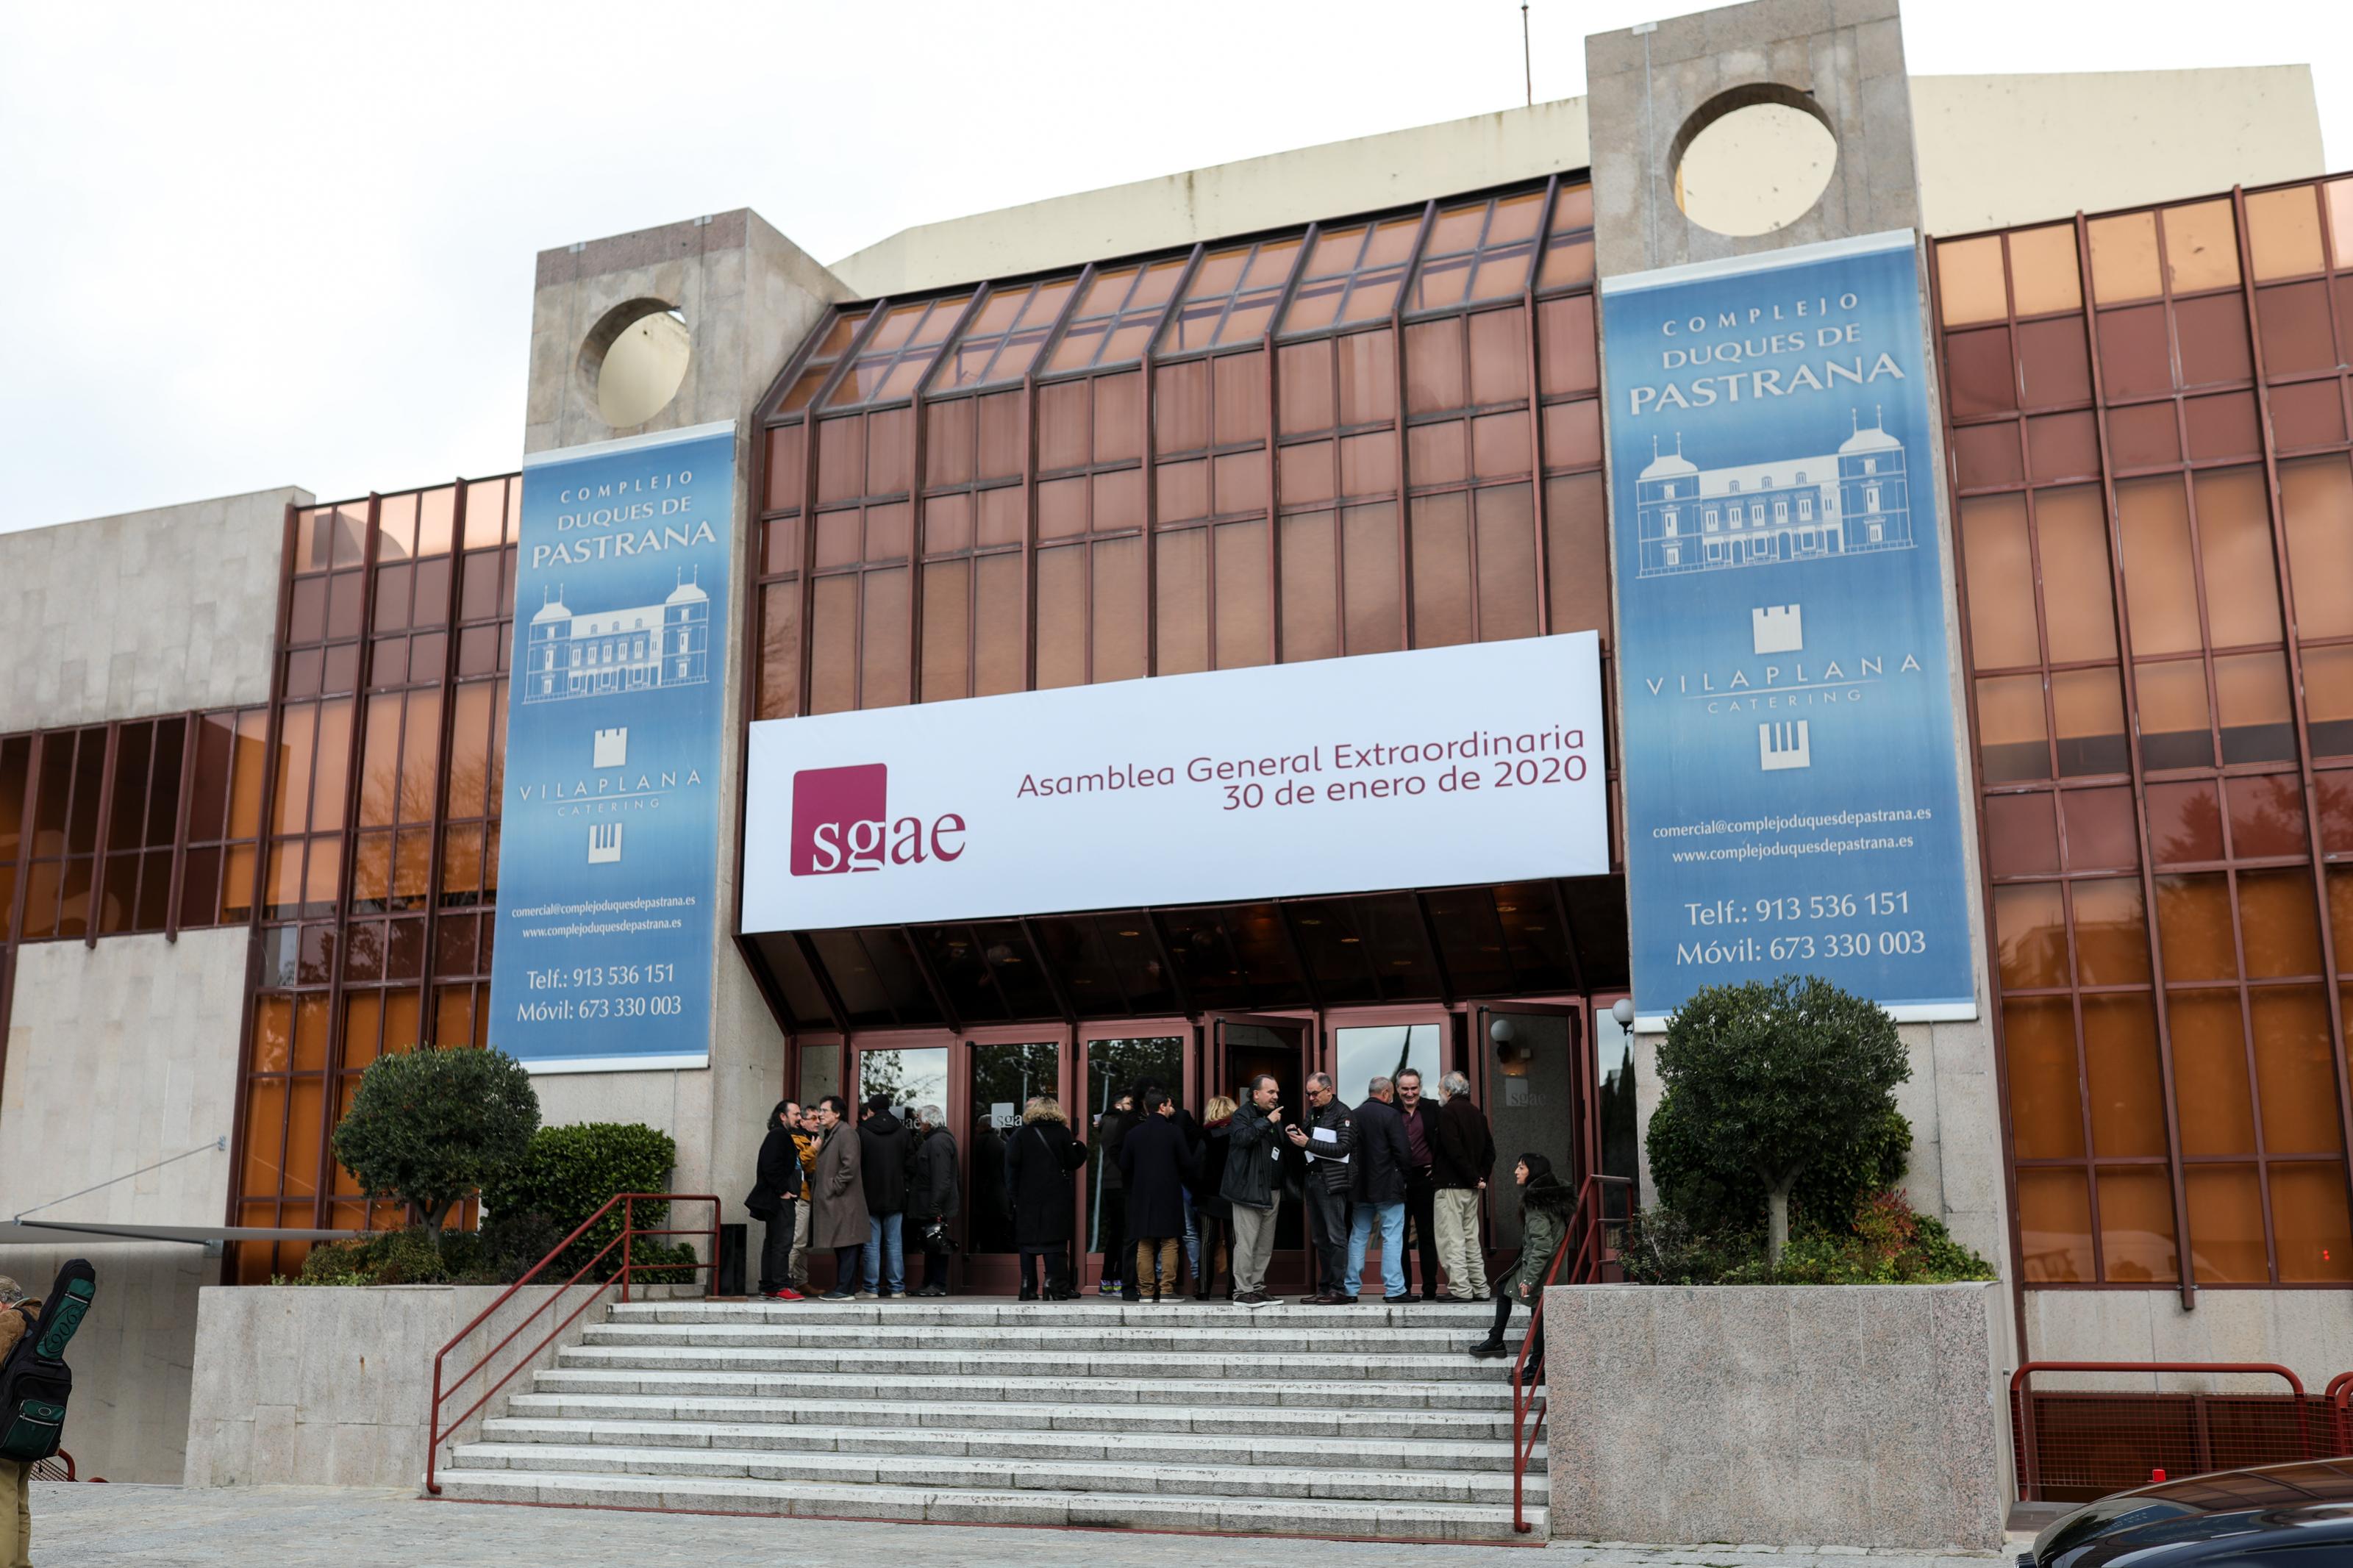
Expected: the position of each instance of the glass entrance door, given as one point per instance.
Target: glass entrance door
(1000, 1080)
(1117, 1069)
(1534, 1100)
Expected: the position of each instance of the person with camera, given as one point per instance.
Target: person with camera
(933, 1196)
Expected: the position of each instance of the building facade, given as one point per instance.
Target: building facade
(1340, 402)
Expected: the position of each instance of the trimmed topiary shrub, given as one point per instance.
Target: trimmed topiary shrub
(431, 1126)
(1766, 1083)
(567, 1173)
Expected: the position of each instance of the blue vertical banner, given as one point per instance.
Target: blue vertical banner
(608, 870)
(1792, 800)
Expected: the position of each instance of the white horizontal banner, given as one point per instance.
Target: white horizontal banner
(1479, 764)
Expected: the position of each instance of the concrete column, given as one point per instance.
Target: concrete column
(748, 296)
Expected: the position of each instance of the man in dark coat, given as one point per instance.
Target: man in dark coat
(933, 1195)
(882, 1145)
(1379, 1163)
(1466, 1158)
(1038, 1161)
(1110, 1197)
(1154, 1153)
(774, 1199)
(1327, 1133)
(1253, 1161)
(1420, 1119)
(837, 1196)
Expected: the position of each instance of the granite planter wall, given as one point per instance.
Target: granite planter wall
(1780, 1415)
(326, 1386)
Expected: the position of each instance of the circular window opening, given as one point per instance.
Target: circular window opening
(635, 360)
(1753, 160)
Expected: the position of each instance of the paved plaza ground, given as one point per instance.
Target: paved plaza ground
(330, 1527)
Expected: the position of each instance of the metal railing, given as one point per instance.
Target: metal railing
(2075, 1445)
(58, 1466)
(1591, 1255)
(438, 1428)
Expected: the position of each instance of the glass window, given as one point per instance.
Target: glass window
(1232, 296)
(1352, 275)
(1003, 1079)
(1005, 338)
(1384, 1050)
(838, 335)
(906, 1077)
(1116, 313)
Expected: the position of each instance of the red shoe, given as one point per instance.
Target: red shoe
(785, 1293)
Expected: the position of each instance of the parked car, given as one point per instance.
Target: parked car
(2280, 1516)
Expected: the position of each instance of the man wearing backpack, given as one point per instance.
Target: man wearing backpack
(17, 1319)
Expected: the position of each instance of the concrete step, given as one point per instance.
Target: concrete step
(1442, 1393)
(1339, 1338)
(1369, 1314)
(973, 1473)
(1348, 1517)
(1113, 1444)
(1308, 1366)
(1292, 1422)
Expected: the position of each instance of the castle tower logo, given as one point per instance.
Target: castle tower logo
(1778, 628)
(612, 748)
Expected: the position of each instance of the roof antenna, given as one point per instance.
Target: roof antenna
(1679, 443)
(1527, 60)
(1854, 418)
(1654, 448)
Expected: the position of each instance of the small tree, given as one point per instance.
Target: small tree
(1778, 1078)
(432, 1126)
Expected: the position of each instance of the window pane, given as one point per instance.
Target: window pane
(1061, 616)
(1969, 280)
(2174, 733)
(2022, 834)
(2278, 923)
(2045, 1095)
(2267, 816)
(2043, 272)
(2120, 1059)
(1369, 564)
(2226, 1224)
(947, 630)
(2283, 232)
(2310, 1224)
(2030, 924)
(2123, 258)
(2111, 933)
(2296, 1070)
(1507, 558)
(1311, 626)
(2161, 591)
(2234, 542)
(2251, 694)
(1577, 567)
(1442, 570)
(1181, 622)
(2193, 917)
(2100, 832)
(2137, 1225)
(2078, 597)
(2054, 1225)
(2209, 1072)
(2088, 709)
(2001, 580)
(1245, 616)
(2201, 247)
(2316, 505)
(2013, 739)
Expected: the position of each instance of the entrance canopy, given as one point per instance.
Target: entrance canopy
(1443, 944)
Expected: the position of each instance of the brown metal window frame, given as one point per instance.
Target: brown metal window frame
(2056, 784)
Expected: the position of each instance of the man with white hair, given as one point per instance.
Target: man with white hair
(1463, 1158)
(933, 1196)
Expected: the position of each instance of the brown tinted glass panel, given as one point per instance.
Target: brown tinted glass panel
(2014, 738)
(2309, 1225)
(2226, 1224)
(2111, 934)
(2193, 916)
(2054, 1227)
(2100, 829)
(2120, 1063)
(2316, 505)
(2000, 581)
(2030, 925)
(2137, 1225)
(2210, 1070)
(2160, 581)
(2022, 834)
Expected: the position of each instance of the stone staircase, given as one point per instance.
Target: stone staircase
(1366, 1421)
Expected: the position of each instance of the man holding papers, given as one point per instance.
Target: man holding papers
(1327, 1137)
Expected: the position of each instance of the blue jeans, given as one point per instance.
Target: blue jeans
(884, 1248)
(1192, 1237)
(1392, 1221)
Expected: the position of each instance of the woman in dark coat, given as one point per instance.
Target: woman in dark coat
(1546, 1206)
(1154, 1154)
(775, 1194)
(1039, 1161)
(1211, 1213)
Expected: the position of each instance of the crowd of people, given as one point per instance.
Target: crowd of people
(1179, 1200)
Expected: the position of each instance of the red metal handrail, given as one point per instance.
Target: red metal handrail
(2029, 1470)
(1593, 1252)
(436, 1428)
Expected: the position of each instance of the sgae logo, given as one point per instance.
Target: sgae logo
(841, 822)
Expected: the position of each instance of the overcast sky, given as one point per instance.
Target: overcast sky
(254, 245)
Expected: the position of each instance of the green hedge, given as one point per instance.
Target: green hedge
(570, 1172)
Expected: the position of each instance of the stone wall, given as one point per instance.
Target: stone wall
(318, 1385)
(150, 612)
(1827, 1415)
